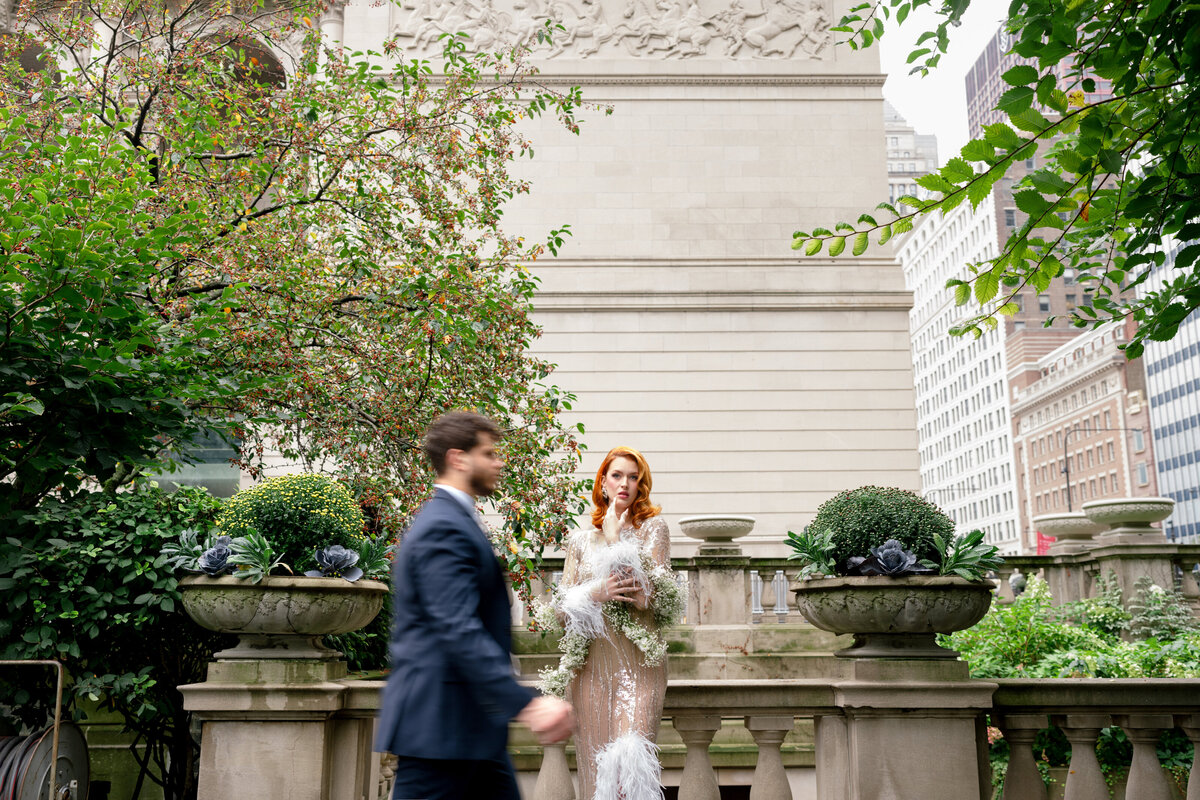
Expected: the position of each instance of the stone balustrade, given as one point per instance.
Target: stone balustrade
(855, 713)
(1081, 709)
(750, 590)
(1072, 576)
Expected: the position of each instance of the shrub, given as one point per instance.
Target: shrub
(860, 519)
(85, 583)
(297, 514)
(1158, 613)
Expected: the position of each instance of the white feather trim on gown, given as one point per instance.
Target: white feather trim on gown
(584, 616)
(628, 769)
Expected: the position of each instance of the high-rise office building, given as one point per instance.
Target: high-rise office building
(910, 155)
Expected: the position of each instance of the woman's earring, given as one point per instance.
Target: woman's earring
(604, 494)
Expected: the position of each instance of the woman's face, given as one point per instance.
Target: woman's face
(621, 482)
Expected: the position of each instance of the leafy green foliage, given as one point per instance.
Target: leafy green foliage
(305, 256)
(96, 385)
(295, 513)
(1105, 612)
(1031, 638)
(254, 558)
(1120, 180)
(860, 519)
(813, 551)
(375, 558)
(87, 585)
(965, 556)
(1158, 613)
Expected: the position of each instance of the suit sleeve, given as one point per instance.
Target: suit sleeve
(448, 589)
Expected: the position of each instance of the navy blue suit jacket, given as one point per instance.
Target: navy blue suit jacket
(451, 691)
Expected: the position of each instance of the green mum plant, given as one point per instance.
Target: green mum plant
(876, 530)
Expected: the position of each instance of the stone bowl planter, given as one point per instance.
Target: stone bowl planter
(281, 617)
(716, 528)
(1071, 531)
(1130, 514)
(894, 617)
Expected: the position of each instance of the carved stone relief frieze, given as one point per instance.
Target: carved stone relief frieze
(716, 29)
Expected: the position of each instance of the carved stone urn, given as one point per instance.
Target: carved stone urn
(716, 530)
(281, 617)
(1072, 531)
(893, 617)
(1129, 518)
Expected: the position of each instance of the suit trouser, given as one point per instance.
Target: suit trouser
(454, 779)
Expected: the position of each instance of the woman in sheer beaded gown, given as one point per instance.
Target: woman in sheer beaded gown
(617, 695)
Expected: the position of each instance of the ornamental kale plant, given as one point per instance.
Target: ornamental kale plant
(890, 558)
(336, 562)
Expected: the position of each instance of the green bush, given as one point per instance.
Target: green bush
(1158, 613)
(297, 514)
(83, 581)
(860, 519)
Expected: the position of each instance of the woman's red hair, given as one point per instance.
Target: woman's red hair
(641, 508)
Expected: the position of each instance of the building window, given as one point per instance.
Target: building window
(1112, 478)
(1110, 451)
(1103, 484)
(1139, 440)
(1143, 474)
(1043, 304)
(1010, 217)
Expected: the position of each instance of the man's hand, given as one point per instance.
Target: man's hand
(550, 719)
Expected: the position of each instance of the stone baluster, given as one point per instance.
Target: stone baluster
(767, 597)
(1147, 780)
(1023, 781)
(1085, 781)
(1004, 592)
(770, 779)
(698, 781)
(781, 596)
(1191, 727)
(756, 590)
(554, 777)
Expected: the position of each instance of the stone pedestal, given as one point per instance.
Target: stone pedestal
(901, 719)
(266, 727)
(1129, 562)
(719, 579)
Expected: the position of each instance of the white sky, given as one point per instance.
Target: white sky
(937, 104)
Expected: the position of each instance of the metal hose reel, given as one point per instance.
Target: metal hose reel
(51, 764)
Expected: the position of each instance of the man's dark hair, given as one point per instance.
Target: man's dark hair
(458, 430)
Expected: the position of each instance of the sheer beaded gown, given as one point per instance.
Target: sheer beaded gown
(618, 698)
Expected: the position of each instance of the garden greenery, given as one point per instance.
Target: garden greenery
(87, 585)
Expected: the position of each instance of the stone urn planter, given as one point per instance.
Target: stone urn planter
(893, 617)
(1129, 518)
(1072, 532)
(281, 617)
(716, 531)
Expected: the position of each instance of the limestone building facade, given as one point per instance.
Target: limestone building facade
(755, 381)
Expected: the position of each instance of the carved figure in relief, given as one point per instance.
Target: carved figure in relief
(638, 24)
(677, 27)
(815, 29)
(777, 19)
(732, 25)
(591, 26)
(525, 27)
